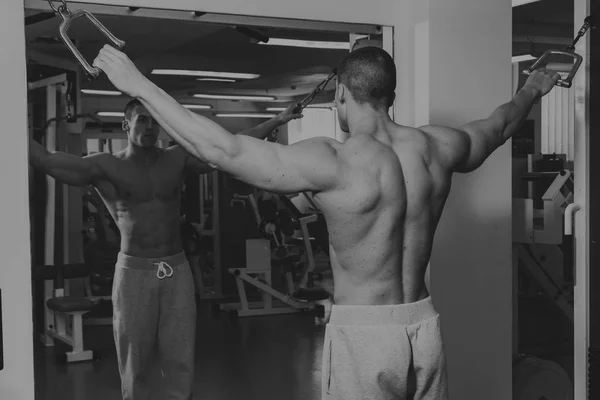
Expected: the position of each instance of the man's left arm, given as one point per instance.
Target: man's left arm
(261, 131)
(265, 129)
(309, 165)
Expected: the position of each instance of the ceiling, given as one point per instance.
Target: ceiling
(543, 25)
(288, 73)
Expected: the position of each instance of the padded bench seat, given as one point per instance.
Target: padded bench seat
(70, 304)
(68, 271)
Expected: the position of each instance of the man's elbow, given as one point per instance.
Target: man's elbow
(215, 158)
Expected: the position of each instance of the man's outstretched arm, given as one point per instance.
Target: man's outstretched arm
(310, 165)
(466, 148)
(261, 132)
(67, 168)
(265, 129)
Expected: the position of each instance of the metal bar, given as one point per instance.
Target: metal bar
(543, 40)
(309, 253)
(581, 84)
(260, 285)
(217, 19)
(242, 293)
(217, 235)
(388, 46)
(65, 339)
(54, 80)
(515, 299)
(556, 185)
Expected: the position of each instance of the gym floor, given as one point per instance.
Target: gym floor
(271, 357)
(262, 358)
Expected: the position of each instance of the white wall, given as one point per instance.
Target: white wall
(471, 272)
(16, 380)
(316, 122)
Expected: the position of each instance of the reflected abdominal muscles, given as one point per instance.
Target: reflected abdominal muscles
(150, 224)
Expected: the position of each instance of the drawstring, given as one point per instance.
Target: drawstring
(164, 270)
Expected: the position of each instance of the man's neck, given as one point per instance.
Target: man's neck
(367, 121)
(142, 155)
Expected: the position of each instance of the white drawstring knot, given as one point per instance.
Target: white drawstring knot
(164, 270)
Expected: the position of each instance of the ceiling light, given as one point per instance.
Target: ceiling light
(517, 3)
(308, 43)
(217, 80)
(101, 92)
(233, 97)
(197, 106)
(324, 105)
(110, 114)
(255, 115)
(522, 58)
(207, 74)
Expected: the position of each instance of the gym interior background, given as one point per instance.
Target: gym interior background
(268, 356)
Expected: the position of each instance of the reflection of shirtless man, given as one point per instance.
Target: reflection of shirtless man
(382, 192)
(153, 292)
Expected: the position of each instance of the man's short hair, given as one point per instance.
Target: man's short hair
(370, 75)
(130, 106)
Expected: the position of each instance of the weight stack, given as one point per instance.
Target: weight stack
(593, 374)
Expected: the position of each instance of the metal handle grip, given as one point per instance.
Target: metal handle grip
(570, 211)
(68, 17)
(566, 83)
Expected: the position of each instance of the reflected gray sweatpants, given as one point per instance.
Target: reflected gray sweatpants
(154, 313)
(384, 352)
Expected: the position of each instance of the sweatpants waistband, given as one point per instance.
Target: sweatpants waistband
(125, 261)
(394, 314)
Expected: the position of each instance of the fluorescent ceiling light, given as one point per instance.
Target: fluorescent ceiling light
(253, 115)
(308, 43)
(101, 92)
(197, 106)
(110, 114)
(524, 57)
(234, 97)
(324, 105)
(217, 80)
(517, 3)
(207, 74)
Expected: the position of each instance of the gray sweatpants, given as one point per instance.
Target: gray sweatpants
(384, 352)
(154, 314)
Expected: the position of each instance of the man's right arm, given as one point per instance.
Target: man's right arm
(466, 148)
(67, 168)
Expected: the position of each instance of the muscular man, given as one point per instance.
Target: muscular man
(382, 192)
(153, 292)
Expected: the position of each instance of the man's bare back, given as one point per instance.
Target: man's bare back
(382, 219)
(144, 199)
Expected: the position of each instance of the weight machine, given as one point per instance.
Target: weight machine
(59, 264)
(540, 245)
(279, 227)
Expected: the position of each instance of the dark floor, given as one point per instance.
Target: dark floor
(271, 357)
(545, 332)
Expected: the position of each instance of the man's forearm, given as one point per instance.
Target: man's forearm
(517, 110)
(263, 130)
(199, 136)
(37, 153)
